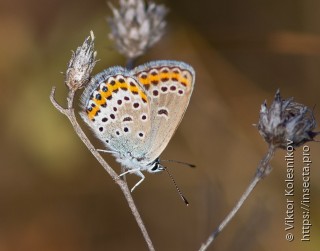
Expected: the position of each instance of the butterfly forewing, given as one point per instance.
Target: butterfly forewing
(169, 84)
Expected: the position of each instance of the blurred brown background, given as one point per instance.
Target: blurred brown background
(55, 196)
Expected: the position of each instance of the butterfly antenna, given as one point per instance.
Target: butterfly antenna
(179, 162)
(175, 184)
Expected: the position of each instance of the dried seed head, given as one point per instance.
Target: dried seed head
(286, 120)
(81, 64)
(136, 26)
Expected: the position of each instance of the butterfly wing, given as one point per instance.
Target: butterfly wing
(169, 84)
(118, 111)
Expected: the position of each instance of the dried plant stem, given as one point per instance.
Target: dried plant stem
(130, 63)
(69, 112)
(262, 170)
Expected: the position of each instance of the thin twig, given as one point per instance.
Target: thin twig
(69, 112)
(130, 63)
(262, 170)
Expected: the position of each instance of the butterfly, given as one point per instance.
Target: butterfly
(136, 112)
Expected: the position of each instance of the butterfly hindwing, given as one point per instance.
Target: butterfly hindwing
(118, 111)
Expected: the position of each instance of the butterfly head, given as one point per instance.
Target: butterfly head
(155, 166)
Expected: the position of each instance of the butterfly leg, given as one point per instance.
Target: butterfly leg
(105, 151)
(129, 171)
(137, 172)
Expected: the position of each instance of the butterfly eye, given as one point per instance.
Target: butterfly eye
(154, 168)
(157, 168)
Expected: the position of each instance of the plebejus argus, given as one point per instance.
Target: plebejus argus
(136, 112)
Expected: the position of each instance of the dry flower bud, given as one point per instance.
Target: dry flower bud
(286, 120)
(81, 64)
(136, 26)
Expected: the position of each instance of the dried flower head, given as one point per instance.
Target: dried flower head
(81, 64)
(286, 120)
(136, 26)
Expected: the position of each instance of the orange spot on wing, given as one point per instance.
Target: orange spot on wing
(144, 81)
(106, 94)
(153, 78)
(93, 112)
(143, 96)
(175, 75)
(165, 75)
(134, 89)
